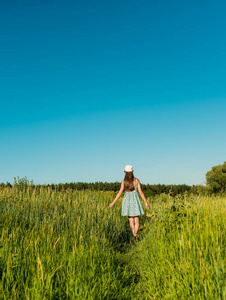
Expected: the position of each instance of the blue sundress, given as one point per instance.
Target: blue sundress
(131, 205)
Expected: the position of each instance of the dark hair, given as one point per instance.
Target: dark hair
(128, 181)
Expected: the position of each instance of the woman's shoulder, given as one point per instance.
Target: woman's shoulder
(136, 181)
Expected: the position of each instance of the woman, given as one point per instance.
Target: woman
(131, 205)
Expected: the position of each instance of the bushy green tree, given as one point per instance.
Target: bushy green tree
(216, 178)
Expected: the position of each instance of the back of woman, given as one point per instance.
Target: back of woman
(131, 205)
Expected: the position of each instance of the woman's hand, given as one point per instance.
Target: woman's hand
(147, 206)
(118, 195)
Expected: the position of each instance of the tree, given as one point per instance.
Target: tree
(216, 178)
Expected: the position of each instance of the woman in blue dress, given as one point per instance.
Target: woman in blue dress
(131, 205)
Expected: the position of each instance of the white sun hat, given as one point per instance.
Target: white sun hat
(128, 168)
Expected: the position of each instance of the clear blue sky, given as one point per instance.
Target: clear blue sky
(87, 87)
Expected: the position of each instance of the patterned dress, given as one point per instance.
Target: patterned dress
(131, 205)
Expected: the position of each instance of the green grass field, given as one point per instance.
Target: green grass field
(70, 245)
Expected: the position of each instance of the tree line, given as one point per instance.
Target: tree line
(215, 180)
(148, 189)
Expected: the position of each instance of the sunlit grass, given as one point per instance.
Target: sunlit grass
(70, 245)
(61, 245)
(183, 251)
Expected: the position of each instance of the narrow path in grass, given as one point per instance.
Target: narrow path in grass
(126, 251)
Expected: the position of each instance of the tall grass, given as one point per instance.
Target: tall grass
(70, 245)
(182, 255)
(62, 246)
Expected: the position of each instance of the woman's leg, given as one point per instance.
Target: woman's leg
(136, 227)
(132, 224)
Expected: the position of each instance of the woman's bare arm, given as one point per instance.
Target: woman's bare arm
(118, 195)
(142, 194)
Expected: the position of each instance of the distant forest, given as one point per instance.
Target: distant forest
(148, 189)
